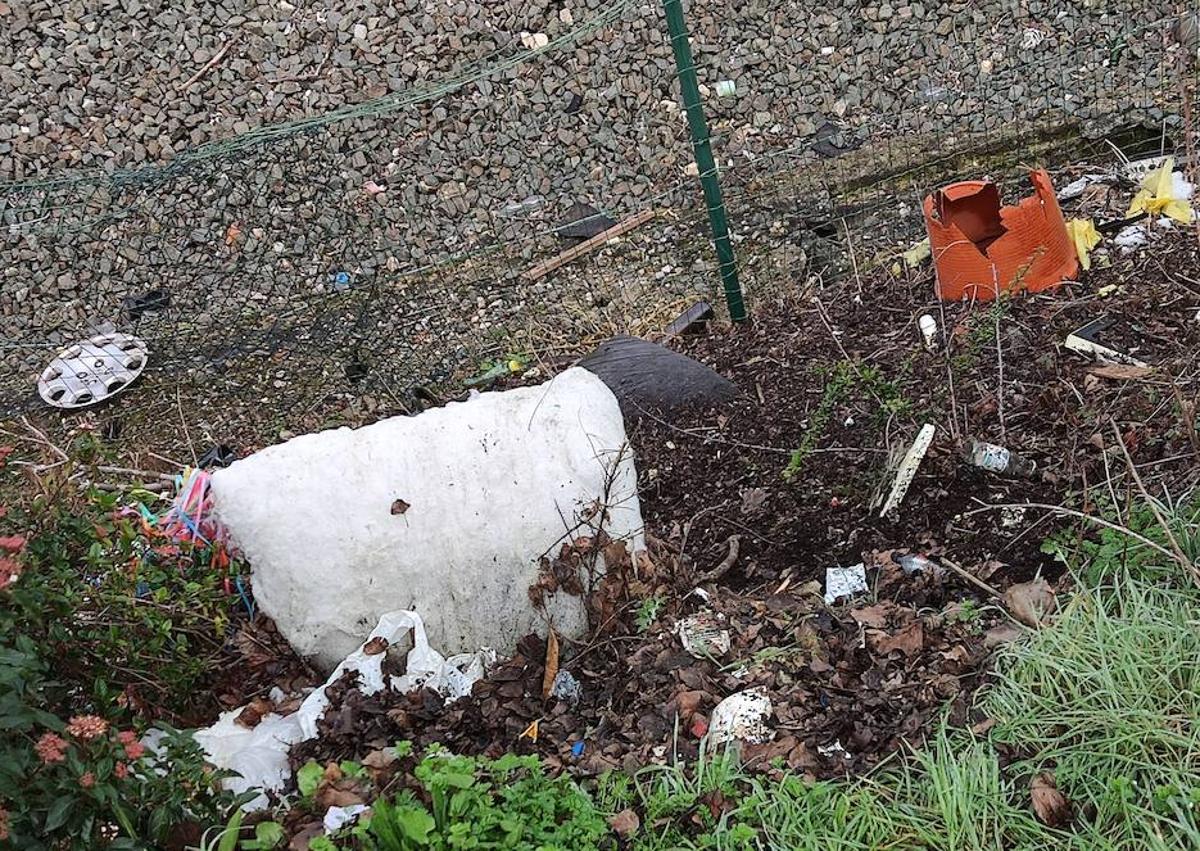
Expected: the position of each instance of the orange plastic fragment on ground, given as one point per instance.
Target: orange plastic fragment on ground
(981, 249)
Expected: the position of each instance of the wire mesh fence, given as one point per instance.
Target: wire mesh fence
(335, 267)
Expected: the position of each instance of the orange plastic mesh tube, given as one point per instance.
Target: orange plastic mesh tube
(981, 249)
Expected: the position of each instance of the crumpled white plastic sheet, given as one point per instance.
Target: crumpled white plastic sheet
(258, 756)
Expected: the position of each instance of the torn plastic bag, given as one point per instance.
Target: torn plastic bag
(258, 756)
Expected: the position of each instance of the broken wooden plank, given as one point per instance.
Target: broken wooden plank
(548, 266)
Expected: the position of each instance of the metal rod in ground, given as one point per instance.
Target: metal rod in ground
(702, 148)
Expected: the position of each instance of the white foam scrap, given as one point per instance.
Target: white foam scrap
(742, 717)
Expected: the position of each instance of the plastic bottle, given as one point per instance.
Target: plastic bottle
(997, 459)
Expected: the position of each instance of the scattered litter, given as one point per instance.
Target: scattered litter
(1131, 237)
(915, 563)
(1031, 38)
(929, 330)
(830, 141)
(835, 749)
(577, 749)
(918, 254)
(514, 209)
(1011, 515)
(1077, 187)
(845, 582)
(258, 756)
(192, 517)
(691, 321)
(216, 456)
(1083, 341)
(136, 305)
(93, 370)
(340, 281)
(704, 635)
(566, 687)
(726, 88)
(998, 459)
(742, 717)
(982, 249)
(1085, 237)
(1164, 192)
(583, 221)
(372, 188)
(908, 468)
(338, 817)
(530, 732)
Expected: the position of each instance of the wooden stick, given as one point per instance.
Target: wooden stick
(548, 266)
(973, 579)
(208, 66)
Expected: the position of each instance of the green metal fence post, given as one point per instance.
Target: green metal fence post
(702, 148)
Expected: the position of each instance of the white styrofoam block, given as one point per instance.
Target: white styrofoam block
(490, 484)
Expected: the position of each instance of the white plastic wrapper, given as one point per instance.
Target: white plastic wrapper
(258, 755)
(845, 582)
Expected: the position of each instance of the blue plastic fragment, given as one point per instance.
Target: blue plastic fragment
(577, 749)
(341, 280)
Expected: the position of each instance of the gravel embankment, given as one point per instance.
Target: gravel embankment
(120, 98)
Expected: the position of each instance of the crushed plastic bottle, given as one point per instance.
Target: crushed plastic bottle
(998, 459)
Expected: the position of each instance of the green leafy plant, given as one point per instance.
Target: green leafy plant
(843, 380)
(102, 621)
(648, 611)
(469, 802)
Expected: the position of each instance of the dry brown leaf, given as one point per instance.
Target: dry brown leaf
(625, 823)
(1030, 602)
(300, 840)
(983, 726)
(1050, 805)
(1119, 371)
(1002, 634)
(254, 712)
(375, 646)
(343, 793)
(551, 663)
(909, 640)
(399, 506)
(687, 703)
(874, 616)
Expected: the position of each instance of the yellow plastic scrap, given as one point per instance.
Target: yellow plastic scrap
(1158, 195)
(917, 254)
(912, 258)
(1084, 235)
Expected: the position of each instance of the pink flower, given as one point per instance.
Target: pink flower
(3, 824)
(13, 543)
(121, 770)
(50, 748)
(135, 750)
(87, 780)
(87, 727)
(127, 737)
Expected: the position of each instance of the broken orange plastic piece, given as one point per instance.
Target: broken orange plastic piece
(981, 249)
